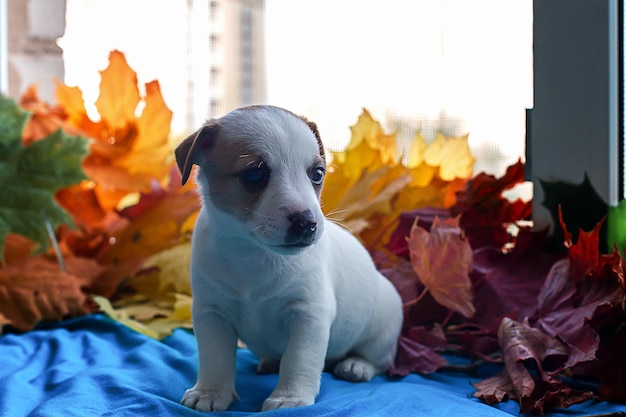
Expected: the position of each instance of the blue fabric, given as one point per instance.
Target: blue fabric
(93, 366)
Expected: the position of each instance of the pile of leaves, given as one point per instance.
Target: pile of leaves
(476, 279)
(106, 195)
(93, 217)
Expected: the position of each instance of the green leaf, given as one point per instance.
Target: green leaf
(29, 176)
(616, 226)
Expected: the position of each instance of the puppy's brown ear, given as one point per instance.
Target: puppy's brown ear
(188, 150)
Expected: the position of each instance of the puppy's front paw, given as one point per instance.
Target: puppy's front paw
(208, 400)
(285, 401)
(355, 369)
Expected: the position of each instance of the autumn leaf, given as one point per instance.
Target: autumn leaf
(508, 282)
(524, 349)
(442, 259)
(166, 272)
(451, 155)
(582, 207)
(398, 244)
(544, 398)
(123, 142)
(36, 289)
(570, 298)
(44, 118)
(123, 318)
(155, 223)
(415, 356)
(368, 186)
(161, 300)
(29, 176)
(485, 213)
(119, 95)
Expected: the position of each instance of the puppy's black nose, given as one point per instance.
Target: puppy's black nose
(303, 227)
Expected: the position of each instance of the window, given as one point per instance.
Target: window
(4, 49)
(424, 64)
(575, 122)
(622, 97)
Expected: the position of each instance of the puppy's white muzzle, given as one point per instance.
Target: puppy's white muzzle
(290, 234)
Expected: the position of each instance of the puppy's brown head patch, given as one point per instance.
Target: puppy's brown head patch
(258, 164)
(188, 152)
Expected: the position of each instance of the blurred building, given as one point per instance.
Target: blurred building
(237, 74)
(29, 54)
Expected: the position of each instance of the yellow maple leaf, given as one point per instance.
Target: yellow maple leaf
(367, 186)
(119, 94)
(170, 272)
(452, 155)
(152, 142)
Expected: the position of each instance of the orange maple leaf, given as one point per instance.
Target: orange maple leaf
(123, 142)
(442, 259)
(154, 224)
(35, 289)
(44, 119)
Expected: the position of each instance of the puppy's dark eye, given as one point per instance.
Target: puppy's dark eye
(255, 178)
(317, 175)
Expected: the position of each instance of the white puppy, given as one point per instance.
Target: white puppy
(268, 268)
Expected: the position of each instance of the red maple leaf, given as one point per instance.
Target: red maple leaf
(524, 348)
(398, 243)
(417, 351)
(485, 212)
(578, 288)
(508, 282)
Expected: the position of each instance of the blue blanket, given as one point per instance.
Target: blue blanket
(93, 366)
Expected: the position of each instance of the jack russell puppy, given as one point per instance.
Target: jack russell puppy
(267, 267)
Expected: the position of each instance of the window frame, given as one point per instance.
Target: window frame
(575, 126)
(4, 48)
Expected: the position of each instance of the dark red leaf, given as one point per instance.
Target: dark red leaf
(415, 357)
(544, 398)
(520, 342)
(398, 244)
(495, 389)
(510, 282)
(611, 368)
(566, 306)
(485, 213)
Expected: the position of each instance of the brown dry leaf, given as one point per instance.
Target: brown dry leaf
(442, 259)
(37, 290)
(122, 317)
(156, 318)
(17, 249)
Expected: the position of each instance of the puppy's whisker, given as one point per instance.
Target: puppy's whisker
(258, 214)
(342, 225)
(336, 211)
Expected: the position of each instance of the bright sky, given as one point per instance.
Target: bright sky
(327, 59)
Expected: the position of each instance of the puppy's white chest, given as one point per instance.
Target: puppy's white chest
(264, 328)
